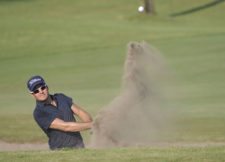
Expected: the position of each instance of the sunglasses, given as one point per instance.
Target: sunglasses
(37, 90)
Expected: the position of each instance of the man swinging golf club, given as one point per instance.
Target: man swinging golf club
(55, 116)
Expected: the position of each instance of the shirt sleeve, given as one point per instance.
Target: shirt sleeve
(45, 118)
(68, 100)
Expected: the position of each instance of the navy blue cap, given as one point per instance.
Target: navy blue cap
(34, 81)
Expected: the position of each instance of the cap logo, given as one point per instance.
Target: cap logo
(34, 80)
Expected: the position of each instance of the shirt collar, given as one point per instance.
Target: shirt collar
(44, 103)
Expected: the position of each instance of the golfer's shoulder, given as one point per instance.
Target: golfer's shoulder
(38, 112)
(61, 96)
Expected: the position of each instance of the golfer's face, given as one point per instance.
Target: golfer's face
(41, 94)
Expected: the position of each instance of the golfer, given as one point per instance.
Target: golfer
(55, 116)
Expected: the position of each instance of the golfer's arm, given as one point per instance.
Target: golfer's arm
(82, 114)
(69, 126)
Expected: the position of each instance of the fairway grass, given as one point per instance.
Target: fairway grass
(79, 47)
(207, 154)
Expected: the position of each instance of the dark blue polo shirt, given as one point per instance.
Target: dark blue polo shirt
(45, 113)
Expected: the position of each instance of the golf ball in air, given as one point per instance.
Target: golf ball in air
(141, 9)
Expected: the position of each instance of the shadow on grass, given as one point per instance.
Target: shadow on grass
(199, 8)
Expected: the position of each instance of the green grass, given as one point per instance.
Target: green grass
(210, 154)
(79, 47)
